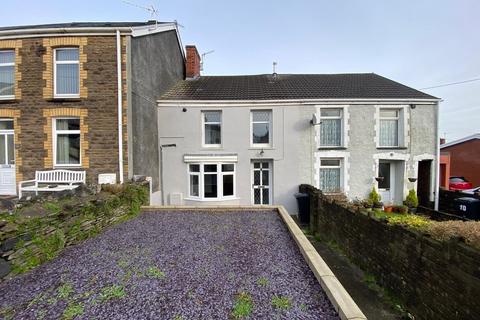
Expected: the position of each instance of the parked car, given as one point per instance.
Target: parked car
(459, 183)
(472, 191)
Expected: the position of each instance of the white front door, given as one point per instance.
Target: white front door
(386, 170)
(7, 158)
(261, 182)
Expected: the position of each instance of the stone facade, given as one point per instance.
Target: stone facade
(34, 105)
(433, 279)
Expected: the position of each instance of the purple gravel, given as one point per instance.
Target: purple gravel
(207, 260)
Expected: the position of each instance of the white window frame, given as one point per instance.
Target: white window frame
(55, 63)
(9, 64)
(342, 124)
(399, 123)
(270, 129)
(201, 181)
(340, 166)
(204, 123)
(54, 142)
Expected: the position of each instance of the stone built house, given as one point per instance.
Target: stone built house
(254, 139)
(82, 96)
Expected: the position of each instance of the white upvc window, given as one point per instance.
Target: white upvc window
(66, 142)
(212, 128)
(7, 74)
(211, 181)
(331, 127)
(261, 128)
(331, 175)
(389, 128)
(66, 73)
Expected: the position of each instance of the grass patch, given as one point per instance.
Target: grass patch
(112, 292)
(52, 207)
(73, 310)
(64, 291)
(154, 272)
(262, 282)
(243, 306)
(281, 303)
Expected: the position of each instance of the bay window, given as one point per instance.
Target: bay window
(330, 175)
(212, 128)
(211, 181)
(66, 135)
(389, 128)
(330, 127)
(7, 74)
(66, 72)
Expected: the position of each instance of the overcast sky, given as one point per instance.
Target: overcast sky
(419, 43)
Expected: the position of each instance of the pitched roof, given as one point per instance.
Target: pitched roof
(462, 140)
(81, 25)
(292, 86)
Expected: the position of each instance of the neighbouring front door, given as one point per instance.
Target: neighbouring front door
(261, 186)
(7, 158)
(385, 185)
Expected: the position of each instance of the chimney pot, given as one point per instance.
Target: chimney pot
(442, 140)
(192, 67)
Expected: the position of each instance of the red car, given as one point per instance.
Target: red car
(459, 183)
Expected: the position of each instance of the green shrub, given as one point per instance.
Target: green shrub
(411, 201)
(243, 306)
(374, 197)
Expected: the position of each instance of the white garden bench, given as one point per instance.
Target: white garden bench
(52, 181)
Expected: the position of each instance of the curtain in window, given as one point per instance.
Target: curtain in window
(389, 133)
(63, 149)
(330, 179)
(213, 134)
(67, 79)
(331, 132)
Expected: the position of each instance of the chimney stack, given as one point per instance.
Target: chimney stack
(193, 63)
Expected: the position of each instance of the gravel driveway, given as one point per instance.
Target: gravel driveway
(175, 265)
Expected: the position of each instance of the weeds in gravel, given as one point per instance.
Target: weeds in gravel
(64, 291)
(112, 292)
(302, 307)
(243, 306)
(154, 272)
(262, 282)
(281, 303)
(7, 313)
(123, 264)
(73, 310)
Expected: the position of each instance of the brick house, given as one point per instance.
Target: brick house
(461, 158)
(60, 105)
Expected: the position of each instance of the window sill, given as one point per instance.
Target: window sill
(261, 148)
(8, 100)
(211, 199)
(61, 99)
(79, 166)
(332, 148)
(392, 148)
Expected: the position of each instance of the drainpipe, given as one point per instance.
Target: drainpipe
(437, 161)
(119, 94)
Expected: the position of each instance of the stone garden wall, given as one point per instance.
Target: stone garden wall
(434, 279)
(40, 230)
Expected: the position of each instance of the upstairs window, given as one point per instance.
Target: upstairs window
(261, 128)
(67, 72)
(330, 175)
(66, 134)
(389, 120)
(330, 127)
(7, 74)
(212, 128)
(211, 181)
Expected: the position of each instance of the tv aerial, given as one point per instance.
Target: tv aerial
(151, 9)
(203, 57)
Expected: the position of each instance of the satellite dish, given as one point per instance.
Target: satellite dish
(314, 120)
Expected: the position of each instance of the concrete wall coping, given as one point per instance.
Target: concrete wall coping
(341, 300)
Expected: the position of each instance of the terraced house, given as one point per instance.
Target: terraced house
(82, 96)
(252, 139)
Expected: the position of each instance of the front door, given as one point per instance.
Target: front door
(261, 186)
(386, 182)
(7, 158)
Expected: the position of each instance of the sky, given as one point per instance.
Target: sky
(420, 43)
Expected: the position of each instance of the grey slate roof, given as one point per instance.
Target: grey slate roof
(81, 25)
(292, 86)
